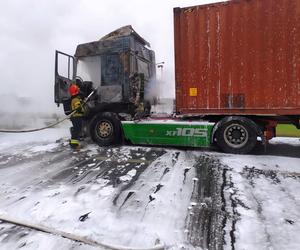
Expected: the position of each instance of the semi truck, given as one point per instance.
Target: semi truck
(237, 76)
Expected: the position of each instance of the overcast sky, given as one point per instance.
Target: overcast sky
(31, 30)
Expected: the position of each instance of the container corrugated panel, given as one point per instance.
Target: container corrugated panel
(238, 57)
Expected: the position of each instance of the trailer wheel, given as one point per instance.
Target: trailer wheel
(105, 129)
(236, 136)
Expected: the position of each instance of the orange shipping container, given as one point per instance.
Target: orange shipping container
(238, 57)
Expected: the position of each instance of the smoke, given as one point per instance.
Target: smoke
(159, 92)
(32, 30)
(21, 112)
(89, 69)
(161, 86)
(19, 121)
(152, 91)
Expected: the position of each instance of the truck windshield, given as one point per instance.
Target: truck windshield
(89, 69)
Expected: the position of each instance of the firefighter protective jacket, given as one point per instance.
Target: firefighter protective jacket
(76, 104)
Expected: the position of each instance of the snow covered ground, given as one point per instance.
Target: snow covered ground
(263, 195)
(142, 197)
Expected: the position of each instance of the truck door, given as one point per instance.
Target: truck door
(65, 72)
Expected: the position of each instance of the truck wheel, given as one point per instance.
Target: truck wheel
(236, 136)
(105, 129)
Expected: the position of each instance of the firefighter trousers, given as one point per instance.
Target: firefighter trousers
(76, 130)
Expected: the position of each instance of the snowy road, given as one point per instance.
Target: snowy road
(142, 197)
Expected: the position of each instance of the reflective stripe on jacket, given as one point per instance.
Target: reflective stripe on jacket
(76, 104)
(74, 142)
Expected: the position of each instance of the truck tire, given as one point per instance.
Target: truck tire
(105, 129)
(237, 136)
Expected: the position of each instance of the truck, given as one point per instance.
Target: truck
(237, 76)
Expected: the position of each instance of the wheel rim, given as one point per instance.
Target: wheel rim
(236, 135)
(104, 129)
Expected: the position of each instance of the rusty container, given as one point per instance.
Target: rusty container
(238, 57)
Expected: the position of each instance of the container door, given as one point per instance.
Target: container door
(65, 71)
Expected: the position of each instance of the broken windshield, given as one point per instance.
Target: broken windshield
(89, 69)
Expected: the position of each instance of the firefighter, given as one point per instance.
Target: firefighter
(77, 116)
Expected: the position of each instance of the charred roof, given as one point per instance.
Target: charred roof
(125, 31)
(113, 39)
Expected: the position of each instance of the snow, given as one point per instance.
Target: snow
(286, 140)
(17, 237)
(52, 185)
(129, 175)
(141, 196)
(268, 187)
(9, 141)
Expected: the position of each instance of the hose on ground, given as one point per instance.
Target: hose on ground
(6, 219)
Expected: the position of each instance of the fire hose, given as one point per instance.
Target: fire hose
(6, 219)
(48, 126)
(37, 129)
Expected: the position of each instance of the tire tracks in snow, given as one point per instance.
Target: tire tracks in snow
(260, 182)
(207, 216)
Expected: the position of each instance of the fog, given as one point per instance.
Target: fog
(31, 30)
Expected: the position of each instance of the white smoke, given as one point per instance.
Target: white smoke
(160, 92)
(152, 91)
(31, 30)
(89, 69)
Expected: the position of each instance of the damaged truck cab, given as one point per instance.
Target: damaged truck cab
(231, 90)
(119, 67)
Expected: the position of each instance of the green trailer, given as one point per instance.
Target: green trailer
(168, 132)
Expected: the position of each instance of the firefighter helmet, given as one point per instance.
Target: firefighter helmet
(73, 89)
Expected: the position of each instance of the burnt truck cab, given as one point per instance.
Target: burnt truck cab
(119, 67)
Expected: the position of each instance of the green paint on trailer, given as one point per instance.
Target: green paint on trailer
(171, 133)
(287, 130)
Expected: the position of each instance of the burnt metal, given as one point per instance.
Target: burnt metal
(125, 31)
(114, 41)
(124, 64)
(119, 107)
(62, 83)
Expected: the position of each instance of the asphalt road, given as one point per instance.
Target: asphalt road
(141, 196)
